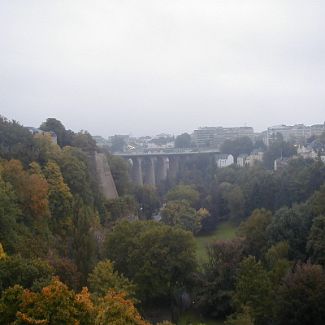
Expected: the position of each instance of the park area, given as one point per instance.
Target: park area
(224, 231)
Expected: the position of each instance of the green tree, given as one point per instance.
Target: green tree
(60, 200)
(254, 290)
(243, 145)
(119, 168)
(183, 141)
(148, 200)
(253, 230)
(64, 136)
(184, 192)
(84, 242)
(158, 258)
(300, 300)
(215, 284)
(9, 213)
(29, 273)
(278, 149)
(291, 225)
(316, 241)
(104, 278)
(180, 213)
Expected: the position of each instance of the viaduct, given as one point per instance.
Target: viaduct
(151, 168)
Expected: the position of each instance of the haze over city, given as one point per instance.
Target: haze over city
(146, 67)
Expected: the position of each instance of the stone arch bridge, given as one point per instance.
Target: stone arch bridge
(152, 168)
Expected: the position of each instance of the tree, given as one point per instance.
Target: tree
(184, 192)
(84, 141)
(316, 241)
(254, 290)
(158, 258)
(2, 252)
(241, 318)
(291, 225)
(183, 141)
(148, 200)
(115, 309)
(29, 273)
(215, 285)
(307, 281)
(104, 278)
(119, 168)
(55, 304)
(9, 213)
(84, 242)
(16, 142)
(179, 213)
(278, 149)
(253, 230)
(73, 165)
(64, 136)
(60, 200)
(118, 143)
(243, 145)
(234, 200)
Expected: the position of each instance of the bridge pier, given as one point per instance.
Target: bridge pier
(137, 176)
(162, 168)
(173, 167)
(149, 171)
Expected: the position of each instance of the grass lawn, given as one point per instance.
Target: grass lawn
(194, 319)
(224, 231)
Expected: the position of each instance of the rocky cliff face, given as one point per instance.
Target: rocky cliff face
(105, 177)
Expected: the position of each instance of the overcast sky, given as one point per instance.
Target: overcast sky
(147, 66)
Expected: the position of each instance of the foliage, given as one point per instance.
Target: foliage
(291, 225)
(64, 136)
(241, 318)
(179, 213)
(158, 258)
(316, 241)
(253, 230)
(183, 141)
(243, 145)
(148, 200)
(301, 297)
(29, 273)
(183, 193)
(278, 149)
(215, 284)
(115, 309)
(16, 142)
(254, 289)
(104, 278)
(119, 169)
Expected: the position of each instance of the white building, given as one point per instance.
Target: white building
(298, 133)
(224, 160)
(306, 152)
(255, 156)
(241, 160)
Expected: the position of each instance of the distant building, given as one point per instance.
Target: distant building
(100, 141)
(214, 137)
(281, 163)
(250, 160)
(224, 160)
(307, 152)
(254, 157)
(36, 131)
(241, 160)
(297, 134)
